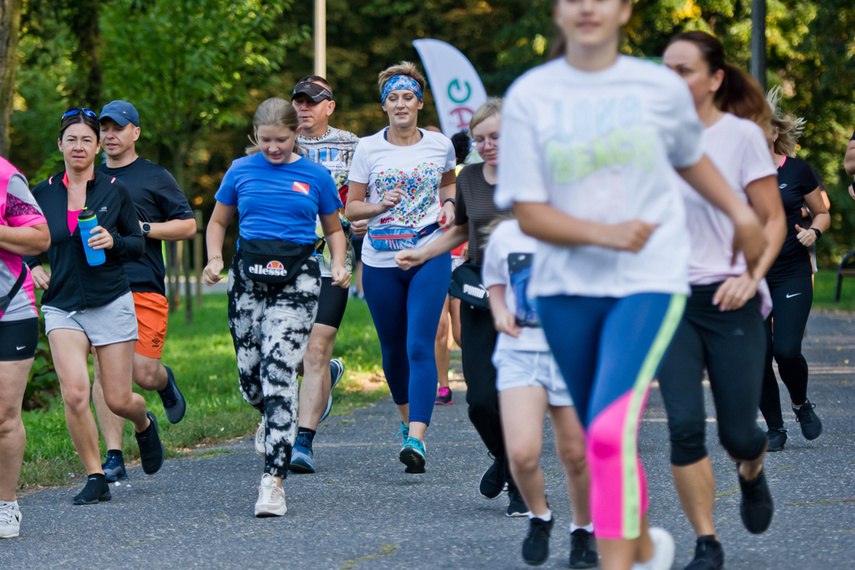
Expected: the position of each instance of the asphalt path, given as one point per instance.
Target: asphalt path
(360, 510)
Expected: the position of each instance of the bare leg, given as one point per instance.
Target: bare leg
(570, 445)
(112, 426)
(417, 430)
(695, 485)
(13, 438)
(404, 410)
(621, 554)
(317, 383)
(454, 312)
(523, 411)
(116, 362)
(441, 349)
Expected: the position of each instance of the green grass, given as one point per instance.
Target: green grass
(825, 282)
(202, 356)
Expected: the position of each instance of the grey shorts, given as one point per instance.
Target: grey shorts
(114, 322)
(517, 368)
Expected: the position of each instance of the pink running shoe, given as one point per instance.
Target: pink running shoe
(444, 397)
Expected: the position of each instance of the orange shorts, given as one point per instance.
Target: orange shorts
(152, 317)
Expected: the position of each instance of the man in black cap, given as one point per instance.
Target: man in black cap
(164, 215)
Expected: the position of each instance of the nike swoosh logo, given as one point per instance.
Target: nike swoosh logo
(793, 295)
(20, 347)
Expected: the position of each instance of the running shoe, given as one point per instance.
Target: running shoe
(96, 490)
(151, 449)
(336, 372)
(756, 507)
(777, 439)
(271, 498)
(709, 555)
(516, 503)
(114, 468)
(443, 398)
(583, 549)
(260, 439)
(493, 480)
(173, 400)
(808, 420)
(413, 455)
(535, 546)
(663, 551)
(10, 519)
(302, 457)
(405, 433)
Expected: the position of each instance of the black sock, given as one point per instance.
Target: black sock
(309, 433)
(115, 453)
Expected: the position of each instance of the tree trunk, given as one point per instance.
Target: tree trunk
(83, 20)
(10, 23)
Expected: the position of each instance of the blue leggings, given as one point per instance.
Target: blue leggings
(406, 306)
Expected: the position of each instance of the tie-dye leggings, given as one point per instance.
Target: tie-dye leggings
(608, 350)
(270, 326)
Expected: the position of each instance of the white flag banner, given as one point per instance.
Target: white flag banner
(455, 84)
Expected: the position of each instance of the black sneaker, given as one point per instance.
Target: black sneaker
(535, 546)
(493, 480)
(583, 549)
(151, 450)
(709, 555)
(173, 400)
(114, 468)
(777, 439)
(808, 420)
(516, 503)
(96, 490)
(756, 506)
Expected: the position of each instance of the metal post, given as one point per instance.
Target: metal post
(758, 41)
(321, 38)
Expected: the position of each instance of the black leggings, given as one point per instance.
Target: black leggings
(730, 346)
(791, 301)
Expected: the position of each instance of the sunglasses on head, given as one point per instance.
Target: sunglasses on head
(77, 110)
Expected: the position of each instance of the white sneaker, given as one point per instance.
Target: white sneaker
(10, 519)
(271, 498)
(663, 551)
(260, 447)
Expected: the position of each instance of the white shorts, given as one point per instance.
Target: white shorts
(518, 368)
(114, 322)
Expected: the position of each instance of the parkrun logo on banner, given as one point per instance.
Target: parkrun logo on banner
(273, 268)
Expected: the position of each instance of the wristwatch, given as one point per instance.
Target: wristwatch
(146, 228)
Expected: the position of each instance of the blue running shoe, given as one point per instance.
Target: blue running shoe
(413, 455)
(173, 400)
(114, 468)
(405, 433)
(302, 457)
(336, 372)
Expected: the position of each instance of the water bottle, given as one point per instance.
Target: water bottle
(86, 221)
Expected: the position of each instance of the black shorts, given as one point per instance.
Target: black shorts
(19, 339)
(331, 303)
(357, 249)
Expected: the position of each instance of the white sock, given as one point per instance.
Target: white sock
(589, 527)
(547, 517)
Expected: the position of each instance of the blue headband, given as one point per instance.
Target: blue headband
(400, 82)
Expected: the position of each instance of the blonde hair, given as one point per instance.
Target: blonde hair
(407, 68)
(492, 106)
(789, 128)
(273, 112)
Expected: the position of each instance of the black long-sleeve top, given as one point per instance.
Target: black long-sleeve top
(74, 284)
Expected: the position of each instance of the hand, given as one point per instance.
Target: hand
(392, 198)
(464, 253)
(807, 237)
(748, 238)
(211, 273)
(628, 236)
(409, 258)
(445, 218)
(101, 240)
(359, 228)
(340, 275)
(505, 322)
(735, 292)
(41, 279)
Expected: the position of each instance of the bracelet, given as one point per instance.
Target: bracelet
(444, 202)
(818, 233)
(215, 257)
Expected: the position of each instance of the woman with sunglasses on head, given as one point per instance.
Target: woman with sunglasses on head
(722, 329)
(589, 143)
(86, 304)
(402, 182)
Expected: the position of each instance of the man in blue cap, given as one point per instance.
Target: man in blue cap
(164, 215)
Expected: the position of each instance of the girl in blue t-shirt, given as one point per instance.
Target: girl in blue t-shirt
(278, 195)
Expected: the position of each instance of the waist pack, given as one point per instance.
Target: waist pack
(389, 237)
(272, 260)
(466, 286)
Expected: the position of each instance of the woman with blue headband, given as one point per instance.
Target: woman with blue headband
(402, 182)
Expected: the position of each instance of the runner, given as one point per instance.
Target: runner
(722, 329)
(274, 279)
(402, 182)
(589, 140)
(23, 231)
(164, 215)
(790, 280)
(529, 383)
(87, 304)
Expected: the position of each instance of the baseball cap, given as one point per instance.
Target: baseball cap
(313, 91)
(120, 111)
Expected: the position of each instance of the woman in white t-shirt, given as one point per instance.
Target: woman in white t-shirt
(722, 330)
(590, 141)
(402, 181)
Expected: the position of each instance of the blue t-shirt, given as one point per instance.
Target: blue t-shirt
(278, 201)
